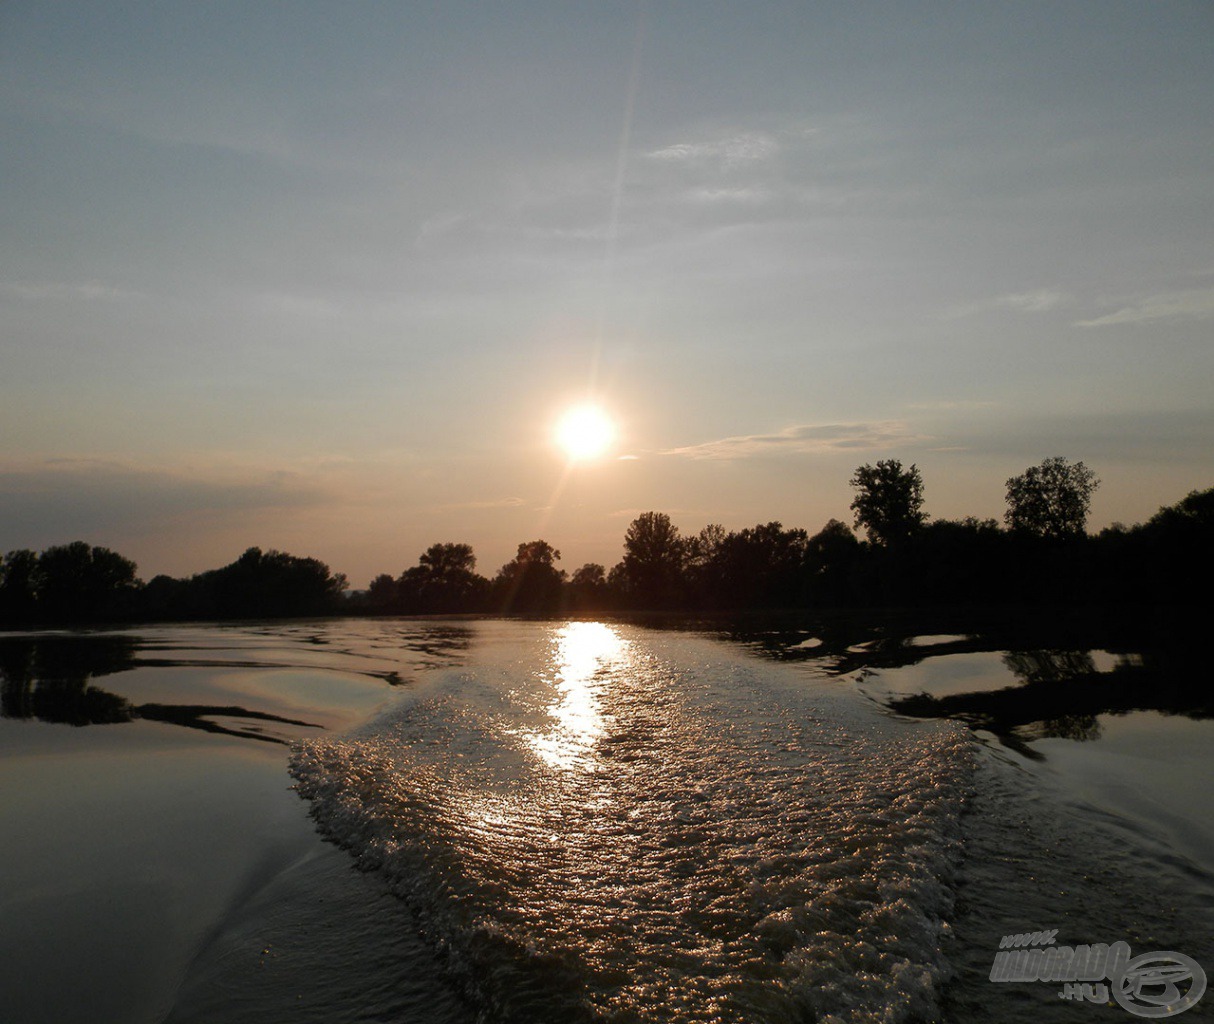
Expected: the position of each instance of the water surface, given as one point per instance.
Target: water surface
(576, 820)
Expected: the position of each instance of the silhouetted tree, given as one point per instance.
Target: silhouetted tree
(17, 586)
(168, 598)
(703, 547)
(763, 567)
(1193, 514)
(702, 564)
(1170, 558)
(588, 588)
(75, 582)
(652, 567)
(269, 584)
(953, 561)
(617, 585)
(888, 501)
(530, 583)
(443, 581)
(830, 557)
(1051, 500)
(382, 596)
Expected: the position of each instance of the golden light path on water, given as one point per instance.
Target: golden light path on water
(586, 653)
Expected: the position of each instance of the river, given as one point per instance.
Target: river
(574, 820)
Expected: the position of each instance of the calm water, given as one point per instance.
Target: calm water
(594, 821)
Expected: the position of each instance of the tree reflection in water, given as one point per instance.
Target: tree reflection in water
(1061, 694)
(48, 678)
(1058, 690)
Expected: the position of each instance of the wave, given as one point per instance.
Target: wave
(599, 823)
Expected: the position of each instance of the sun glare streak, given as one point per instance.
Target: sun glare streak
(617, 199)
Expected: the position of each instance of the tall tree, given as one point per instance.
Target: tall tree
(1051, 500)
(888, 501)
(652, 567)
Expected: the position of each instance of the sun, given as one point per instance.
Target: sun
(584, 432)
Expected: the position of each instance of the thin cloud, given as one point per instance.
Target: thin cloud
(1042, 300)
(489, 503)
(729, 150)
(1191, 304)
(1037, 300)
(804, 439)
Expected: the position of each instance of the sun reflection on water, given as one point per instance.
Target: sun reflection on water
(587, 653)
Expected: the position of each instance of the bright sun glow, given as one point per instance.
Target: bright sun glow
(585, 433)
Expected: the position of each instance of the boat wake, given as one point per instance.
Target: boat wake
(599, 823)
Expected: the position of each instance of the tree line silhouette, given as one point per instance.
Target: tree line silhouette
(1040, 556)
(76, 583)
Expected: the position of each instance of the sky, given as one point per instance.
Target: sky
(322, 277)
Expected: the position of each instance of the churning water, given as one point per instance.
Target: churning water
(597, 822)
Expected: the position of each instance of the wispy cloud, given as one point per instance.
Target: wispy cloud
(1037, 300)
(487, 503)
(804, 439)
(1189, 304)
